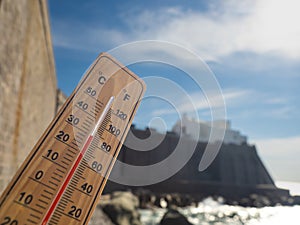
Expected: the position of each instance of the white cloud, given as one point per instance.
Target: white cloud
(283, 112)
(282, 157)
(199, 101)
(276, 100)
(269, 26)
(259, 26)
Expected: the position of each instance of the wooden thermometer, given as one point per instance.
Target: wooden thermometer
(62, 179)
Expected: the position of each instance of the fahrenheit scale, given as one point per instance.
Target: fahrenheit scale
(62, 179)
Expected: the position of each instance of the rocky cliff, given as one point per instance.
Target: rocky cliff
(237, 173)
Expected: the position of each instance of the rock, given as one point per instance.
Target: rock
(173, 217)
(100, 218)
(297, 200)
(122, 208)
(146, 198)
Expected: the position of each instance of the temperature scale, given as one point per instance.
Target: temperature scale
(61, 180)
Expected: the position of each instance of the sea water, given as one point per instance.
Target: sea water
(211, 212)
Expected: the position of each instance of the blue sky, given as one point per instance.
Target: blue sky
(252, 47)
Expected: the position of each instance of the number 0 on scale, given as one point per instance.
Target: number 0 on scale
(63, 177)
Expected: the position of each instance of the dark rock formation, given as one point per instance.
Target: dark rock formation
(173, 217)
(121, 208)
(100, 218)
(237, 173)
(297, 200)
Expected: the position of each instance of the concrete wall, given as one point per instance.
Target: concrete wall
(27, 80)
(60, 99)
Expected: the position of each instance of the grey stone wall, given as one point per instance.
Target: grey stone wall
(27, 81)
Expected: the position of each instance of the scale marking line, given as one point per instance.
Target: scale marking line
(26, 206)
(82, 130)
(76, 164)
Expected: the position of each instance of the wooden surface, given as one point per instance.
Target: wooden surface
(29, 196)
